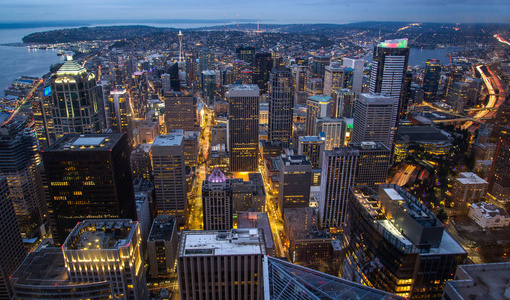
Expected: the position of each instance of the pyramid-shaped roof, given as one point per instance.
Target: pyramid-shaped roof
(71, 67)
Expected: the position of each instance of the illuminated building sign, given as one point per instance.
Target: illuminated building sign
(47, 91)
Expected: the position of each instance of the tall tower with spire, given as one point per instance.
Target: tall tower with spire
(181, 55)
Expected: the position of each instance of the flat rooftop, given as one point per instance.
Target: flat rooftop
(323, 99)
(86, 142)
(420, 133)
(470, 178)
(310, 138)
(174, 139)
(295, 160)
(213, 243)
(162, 228)
(481, 281)
(100, 234)
(256, 220)
(44, 267)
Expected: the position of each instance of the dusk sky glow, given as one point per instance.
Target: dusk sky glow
(281, 11)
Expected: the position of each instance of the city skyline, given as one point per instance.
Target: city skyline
(229, 11)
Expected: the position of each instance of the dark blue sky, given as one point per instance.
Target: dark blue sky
(270, 11)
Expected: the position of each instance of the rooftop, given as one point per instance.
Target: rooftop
(369, 146)
(162, 228)
(310, 138)
(397, 43)
(174, 139)
(71, 67)
(211, 242)
(373, 98)
(420, 133)
(295, 160)
(256, 220)
(86, 142)
(470, 178)
(100, 234)
(490, 210)
(44, 267)
(323, 99)
(481, 281)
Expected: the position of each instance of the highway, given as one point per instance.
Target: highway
(493, 96)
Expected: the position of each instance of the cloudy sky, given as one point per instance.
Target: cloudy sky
(269, 11)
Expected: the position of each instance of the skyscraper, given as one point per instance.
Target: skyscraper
(373, 163)
(357, 78)
(243, 127)
(313, 147)
(333, 79)
(262, 68)
(499, 179)
(19, 159)
(344, 101)
(180, 111)
(396, 244)
(89, 176)
(162, 246)
(338, 173)
(375, 119)
(295, 181)
(280, 105)
(217, 201)
(316, 107)
(389, 67)
(208, 82)
(246, 53)
(431, 79)
(226, 265)
(75, 106)
(118, 111)
(107, 250)
(12, 250)
(167, 153)
(318, 65)
(334, 132)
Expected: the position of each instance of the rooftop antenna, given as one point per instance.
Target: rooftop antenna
(181, 56)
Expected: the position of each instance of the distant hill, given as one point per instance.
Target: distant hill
(92, 33)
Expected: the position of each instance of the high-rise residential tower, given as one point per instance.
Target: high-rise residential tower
(280, 105)
(75, 106)
(389, 67)
(89, 177)
(318, 65)
(375, 119)
(243, 127)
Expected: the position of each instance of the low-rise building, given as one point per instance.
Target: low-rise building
(431, 140)
(488, 215)
(468, 188)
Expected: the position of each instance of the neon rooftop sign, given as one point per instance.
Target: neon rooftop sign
(400, 43)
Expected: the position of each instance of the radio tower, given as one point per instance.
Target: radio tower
(181, 56)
